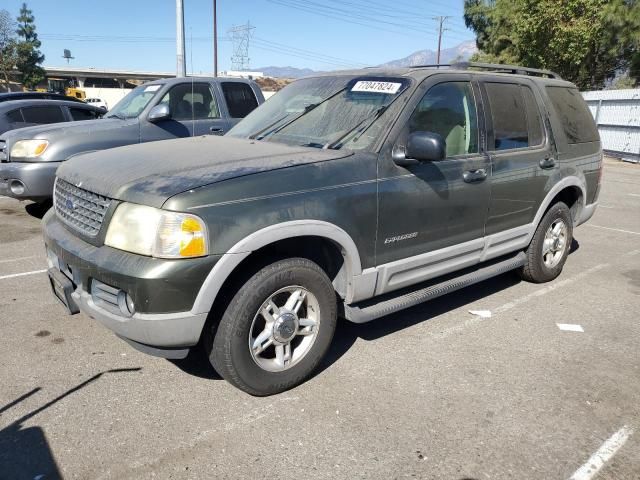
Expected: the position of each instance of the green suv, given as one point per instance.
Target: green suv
(353, 194)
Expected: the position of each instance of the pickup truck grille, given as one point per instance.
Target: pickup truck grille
(4, 156)
(82, 210)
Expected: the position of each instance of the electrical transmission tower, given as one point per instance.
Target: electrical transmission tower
(241, 36)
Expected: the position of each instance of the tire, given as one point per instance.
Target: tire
(548, 251)
(250, 318)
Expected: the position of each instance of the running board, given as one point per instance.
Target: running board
(370, 309)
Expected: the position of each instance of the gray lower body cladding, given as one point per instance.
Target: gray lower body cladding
(37, 179)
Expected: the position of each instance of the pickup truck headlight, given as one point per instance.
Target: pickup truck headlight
(28, 148)
(157, 233)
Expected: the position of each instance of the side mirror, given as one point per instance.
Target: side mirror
(421, 147)
(159, 112)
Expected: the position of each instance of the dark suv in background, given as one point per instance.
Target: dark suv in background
(158, 110)
(355, 193)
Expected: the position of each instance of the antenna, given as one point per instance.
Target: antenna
(67, 55)
(240, 36)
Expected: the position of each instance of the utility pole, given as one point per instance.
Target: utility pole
(215, 39)
(181, 66)
(441, 19)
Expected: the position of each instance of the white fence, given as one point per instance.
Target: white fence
(617, 114)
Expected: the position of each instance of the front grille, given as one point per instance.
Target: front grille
(3, 154)
(82, 210)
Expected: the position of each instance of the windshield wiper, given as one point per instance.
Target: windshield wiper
(306, 110)
(259, 134)
(116, 115)
(359, 129)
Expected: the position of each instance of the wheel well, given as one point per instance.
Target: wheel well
(326, 253)
(571, 197)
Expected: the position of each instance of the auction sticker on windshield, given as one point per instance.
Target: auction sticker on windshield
(152, 88)
(376, 87)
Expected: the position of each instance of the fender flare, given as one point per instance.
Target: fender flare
(266, 236)
(571, 181)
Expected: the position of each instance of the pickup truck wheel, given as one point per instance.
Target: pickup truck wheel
(550, 246)
(276, 329)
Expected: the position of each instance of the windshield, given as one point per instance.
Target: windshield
(135, 102)
(323, 112)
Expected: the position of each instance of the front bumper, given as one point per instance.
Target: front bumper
(163, 290)
(37, 179)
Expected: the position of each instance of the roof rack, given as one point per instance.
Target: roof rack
(495, 67)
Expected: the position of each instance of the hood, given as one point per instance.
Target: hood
(52, 131)
(151, 173)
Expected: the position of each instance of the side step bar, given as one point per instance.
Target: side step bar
(367, 311)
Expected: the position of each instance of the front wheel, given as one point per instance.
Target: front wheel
(548, 251)
(276, 329)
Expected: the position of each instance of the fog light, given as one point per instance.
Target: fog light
(125, 302)
(17, 187)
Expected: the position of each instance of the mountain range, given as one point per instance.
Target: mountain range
(460, 52)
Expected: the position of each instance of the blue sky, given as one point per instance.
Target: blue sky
(318, 34)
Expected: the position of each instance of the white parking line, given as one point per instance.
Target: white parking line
(612, 229)
(22, 274)
(603, 455)
(635, 194)
(16, 259)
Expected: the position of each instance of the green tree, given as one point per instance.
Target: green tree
(8, 56)
(29, 57)
(585, 41)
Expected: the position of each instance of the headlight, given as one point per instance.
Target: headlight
(158, 233)
(28, 148)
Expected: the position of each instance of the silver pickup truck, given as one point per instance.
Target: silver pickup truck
(158, 110)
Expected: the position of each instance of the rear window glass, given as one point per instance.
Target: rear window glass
(508, 113)
(574, 115)
(240, 99)
(43, 115)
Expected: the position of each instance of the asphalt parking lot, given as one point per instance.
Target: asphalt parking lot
(432, 393)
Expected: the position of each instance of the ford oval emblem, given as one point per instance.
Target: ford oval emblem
(69, 204)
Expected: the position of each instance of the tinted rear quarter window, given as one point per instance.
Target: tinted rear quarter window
(39, 115)
(240, 99)
(574, 115)
(82, 114)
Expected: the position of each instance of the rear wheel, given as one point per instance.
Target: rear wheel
(276, 329)
(548, 251)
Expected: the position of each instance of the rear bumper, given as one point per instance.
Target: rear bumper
(37, 179)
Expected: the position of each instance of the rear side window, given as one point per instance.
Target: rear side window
(574, 115)
(40, 115)
(240, 99)
(508, 114)
(82, 114)
(534, 120)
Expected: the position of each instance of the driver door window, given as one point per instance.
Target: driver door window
(191, 102)
(448, 109)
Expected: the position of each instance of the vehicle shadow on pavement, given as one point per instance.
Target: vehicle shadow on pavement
(24, 451)
(347, 333)
(38, 210)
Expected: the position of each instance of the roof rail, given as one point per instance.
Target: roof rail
(495, 67)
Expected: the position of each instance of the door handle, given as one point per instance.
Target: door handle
(548, 162)
(216, 131)
(474, 176)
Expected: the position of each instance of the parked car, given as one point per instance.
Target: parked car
(97, 102)
(26, 113)
(10, 96)
(159, 110)
(356, 193)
